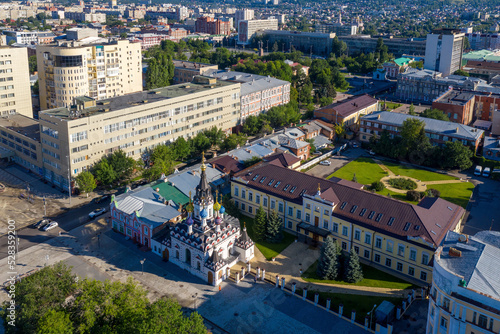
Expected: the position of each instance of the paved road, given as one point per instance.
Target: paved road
(69, 220)
(484, 209)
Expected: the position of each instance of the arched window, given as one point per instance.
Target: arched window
(198, 265)
(176, 254)
(188, 256)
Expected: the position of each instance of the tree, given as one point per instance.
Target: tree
(159, 168)
(456, 155)
(328, 263)
(233, 141)
(252, 161)
(55, 322)
(354, 178)
(252, 125)
(86, 182)
(121, 164)
(215, 135)
(461, 72)
(340, 131)
(274, 228)
(435, 114)
(32, 64)
(181, 149)
(275, 46)
(466, 43)
(260, 225)
(339, 48)
(353, 273)
(312, 147)
(201, 143)
(160, 71)
(413, 134)
(411, 110)
(104, 173)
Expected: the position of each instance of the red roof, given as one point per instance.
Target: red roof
(350, 106)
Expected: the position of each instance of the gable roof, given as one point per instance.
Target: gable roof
(350, 106)
(226, 164)
(286, 159)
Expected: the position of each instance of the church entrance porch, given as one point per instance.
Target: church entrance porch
(210, 278)
(165, 255)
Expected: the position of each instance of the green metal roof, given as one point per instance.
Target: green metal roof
(169, 192)
(402, 61)
(477, 55)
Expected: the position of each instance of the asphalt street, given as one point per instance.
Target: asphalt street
(29, 236)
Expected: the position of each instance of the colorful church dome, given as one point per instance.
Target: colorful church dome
(222, 209)
(217, 206)
(203, 213)
(189, 220)
(218, 220)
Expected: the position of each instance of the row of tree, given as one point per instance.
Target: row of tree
(276, 117)
(333, 264)
(413, 145)
(268, 228)
(53, 301)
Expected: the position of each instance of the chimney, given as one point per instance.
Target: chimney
(456, 130)
(378, 116)
(454, 252)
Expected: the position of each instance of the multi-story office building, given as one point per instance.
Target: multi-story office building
(86, 17)
(248, 28)
(73, 69)
(21, 37)
(465, 284)
(258, 93)
(209, 25)
(438, 132)
(338, 29)
(386, 233)
(480, 41)
(397, 46)
(15, 89)
(243, 15)
(443, 51)
(307, 42)
(185, 71)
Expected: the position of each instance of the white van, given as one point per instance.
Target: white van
(486, 172)
(478, 170)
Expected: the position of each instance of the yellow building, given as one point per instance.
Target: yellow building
(465, 293)
(386, 233)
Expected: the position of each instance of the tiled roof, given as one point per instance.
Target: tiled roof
(429, 220)
(286, 159)
(350, 106)
(226, 164)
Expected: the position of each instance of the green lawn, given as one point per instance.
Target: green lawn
(458, 193)
(419, 174)
(361, 303)
(268, 249)
(391, 105)
(366, 170)
(372, 278)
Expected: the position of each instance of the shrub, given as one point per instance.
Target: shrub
(413, 195)
(403, 184)
(377, 186)
(433, 193)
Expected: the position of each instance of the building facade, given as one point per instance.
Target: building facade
(338, 29)
(209, 25)
(248, 28)
(443, 51)
(22, 37)
(15, 89)
(396, 66)
(185, 71)
(458, 105)
(357, 44)
(243, 15)
(86, 17)
(465, 284)
(307, 42)
(480, 41)
(386, 233)
(72, 69)
(438, 132)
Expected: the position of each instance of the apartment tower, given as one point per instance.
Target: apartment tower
(443, 51)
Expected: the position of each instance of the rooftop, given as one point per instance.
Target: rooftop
(431, 125)
(350, 106)
(170, 193)
(190, 65)
(455, 97)
(23, 125)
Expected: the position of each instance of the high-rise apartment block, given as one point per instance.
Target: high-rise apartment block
(242, 15)
(443, 51)
(15, 92)
(71, 69)
(248, 28)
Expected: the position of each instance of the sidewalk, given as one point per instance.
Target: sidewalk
(299, 256)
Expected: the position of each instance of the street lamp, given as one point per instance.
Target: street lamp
(142, 263)
(371, 315)
(195, 299)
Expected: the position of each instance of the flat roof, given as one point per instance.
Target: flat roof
(190, 65)
(455, 97)
(22, 125)
(134, 99)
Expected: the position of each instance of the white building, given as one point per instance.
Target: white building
(242, 15)
(465, 293)
(248, 28)
(443, 51)
(209, 242)
(22, 37)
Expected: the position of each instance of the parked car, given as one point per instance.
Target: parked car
(101, 199)
(317, 153)
(41, 223)
(50, 226)
(97, 212)
(487, 172)
(371, 152)
(478, 170)
(355, 145)
(325, 163)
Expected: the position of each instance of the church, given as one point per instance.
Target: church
(208, 242)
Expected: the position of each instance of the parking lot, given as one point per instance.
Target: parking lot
(337, 162)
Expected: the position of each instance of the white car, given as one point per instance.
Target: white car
(97, 212)
(371, 152)
(478, 170)
(50, 226)
(487, 172)
(325, 163)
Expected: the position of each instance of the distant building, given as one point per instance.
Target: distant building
(86, 17)
(248, 28)
(396, 66)
(74, 34)
(209, 25)
(185, 71)
(458, 105)
(14, 82)
(438, 132)
(348, 112)
(337, 28)
(491, 148)
(480, 41)
(397, 46)
(465, 285)
(243, 15)
(307, 42)
(21, 37)
(443, 51)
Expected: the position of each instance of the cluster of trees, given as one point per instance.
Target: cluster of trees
(53, 301)
(160, 71)
(268, 228)
(362, 63)
(114, 168)
(333, 264)
(435, 114)
(276, 117)
(325, 74)
(416, 196)
(413, 145)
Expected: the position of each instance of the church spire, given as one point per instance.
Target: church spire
(203, 189)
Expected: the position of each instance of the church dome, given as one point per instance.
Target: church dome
(218, 220)
(189, 221)
(222, 209)
(204, 213)
(217, 206)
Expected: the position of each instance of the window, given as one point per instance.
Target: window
(411, 271)
(474, 317)
(250, 196)
(243, 206)
(401, 250)
(368, 238)
(379, 216)
(298, 214)
(343, 206)
(345, 231)
(290, 224)
(407, 227)
(362, 212)
(290, 211)
(388, 262)
(257, 198)
(413, 254)
(389, 246)
(280, 207)
(423, 276)
(335, 228)
(433, 309)
(308, 217)
(326, 213)
(391, 221)
(344, 245)
(353, 209)
(308, 206)
(250, 209)
(444, 323)
(273, 204)
(236, 191)
(378, 242)
(377, 258)
(399, 266)
(490, 327)
(357, 234)
(367, 254)
(425, 258)
(264, 199)
(243, 193)
(372, 213)
(325, 224)
(356, 249)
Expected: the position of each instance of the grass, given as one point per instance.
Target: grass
(372, 277)
(366, 170)
(458, 193)
(391, 105)
(268, 249)
(419, 174)
(361, 303)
